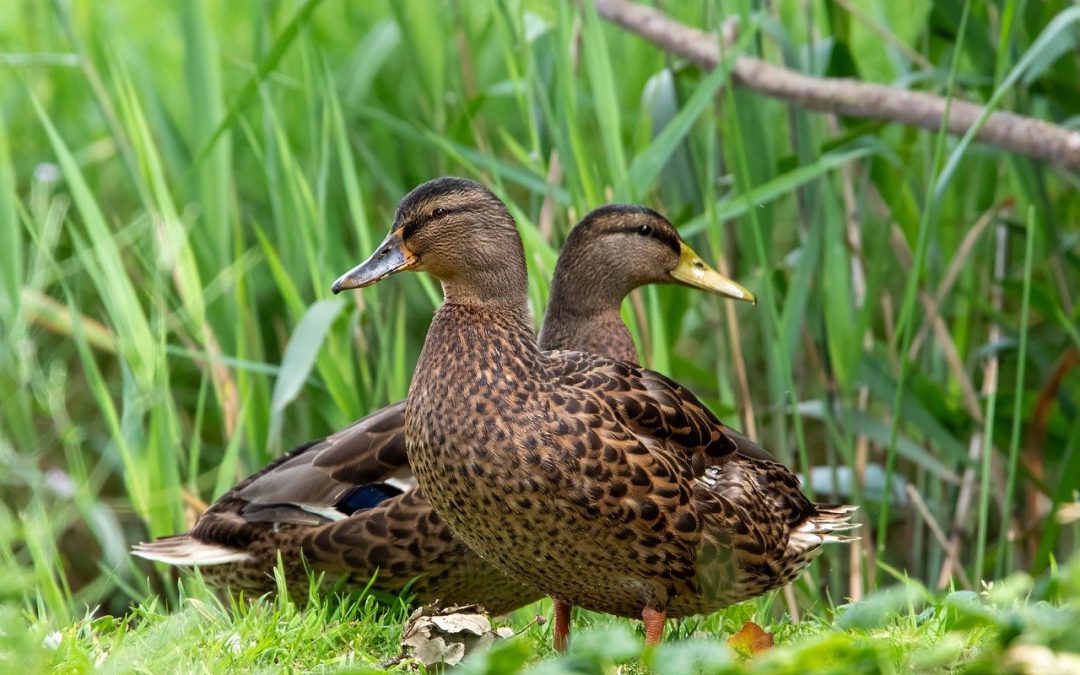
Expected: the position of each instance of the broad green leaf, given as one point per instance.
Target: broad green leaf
(300, 354)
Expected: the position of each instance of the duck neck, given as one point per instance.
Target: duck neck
(585, 316)
(601, 333)
(489, 289)
(471, 345)
(483, 324)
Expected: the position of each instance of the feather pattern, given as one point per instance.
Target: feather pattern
(583, 475)
(603, 484)
(347, 504)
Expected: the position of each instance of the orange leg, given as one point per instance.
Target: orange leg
(562, 625)
(654, 625)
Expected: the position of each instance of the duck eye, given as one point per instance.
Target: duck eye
(645, 230)
(438, 213)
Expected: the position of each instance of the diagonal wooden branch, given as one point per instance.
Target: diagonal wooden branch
(1006, 130)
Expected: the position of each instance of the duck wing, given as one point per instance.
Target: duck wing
(629, 447)
(330, 478)
(660, 412)
(317, 483)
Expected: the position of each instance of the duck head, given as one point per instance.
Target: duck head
(619, 247)
(457, 230)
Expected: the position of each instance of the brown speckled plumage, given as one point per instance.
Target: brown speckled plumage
(598, 482)
(292, 505)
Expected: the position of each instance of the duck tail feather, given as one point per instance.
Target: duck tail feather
(185, 550)
(826, 526)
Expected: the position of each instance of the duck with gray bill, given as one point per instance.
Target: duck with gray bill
(595, 481)
(346, 504)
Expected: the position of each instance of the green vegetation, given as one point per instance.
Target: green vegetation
(180, 185)
(1012, 624)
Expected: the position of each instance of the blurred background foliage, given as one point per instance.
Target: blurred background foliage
(181, 182)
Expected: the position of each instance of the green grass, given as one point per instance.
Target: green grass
(904, 629)
(180, 185)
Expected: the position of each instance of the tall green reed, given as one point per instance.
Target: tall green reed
(168, 324)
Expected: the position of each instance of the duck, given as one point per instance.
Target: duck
(593, 480)
(347, 505)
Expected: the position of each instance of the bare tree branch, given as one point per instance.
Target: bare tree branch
(1009, 131)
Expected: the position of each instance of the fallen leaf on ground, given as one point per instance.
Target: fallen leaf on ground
(435, 636)
(751, 639)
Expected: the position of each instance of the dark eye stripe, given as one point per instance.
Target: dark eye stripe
(415, 225)
(663, 236)
(412, 227)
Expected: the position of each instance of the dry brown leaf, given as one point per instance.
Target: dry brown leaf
(435, 636)
(751, 639)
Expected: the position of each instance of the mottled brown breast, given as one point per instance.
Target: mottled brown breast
(573, 473)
